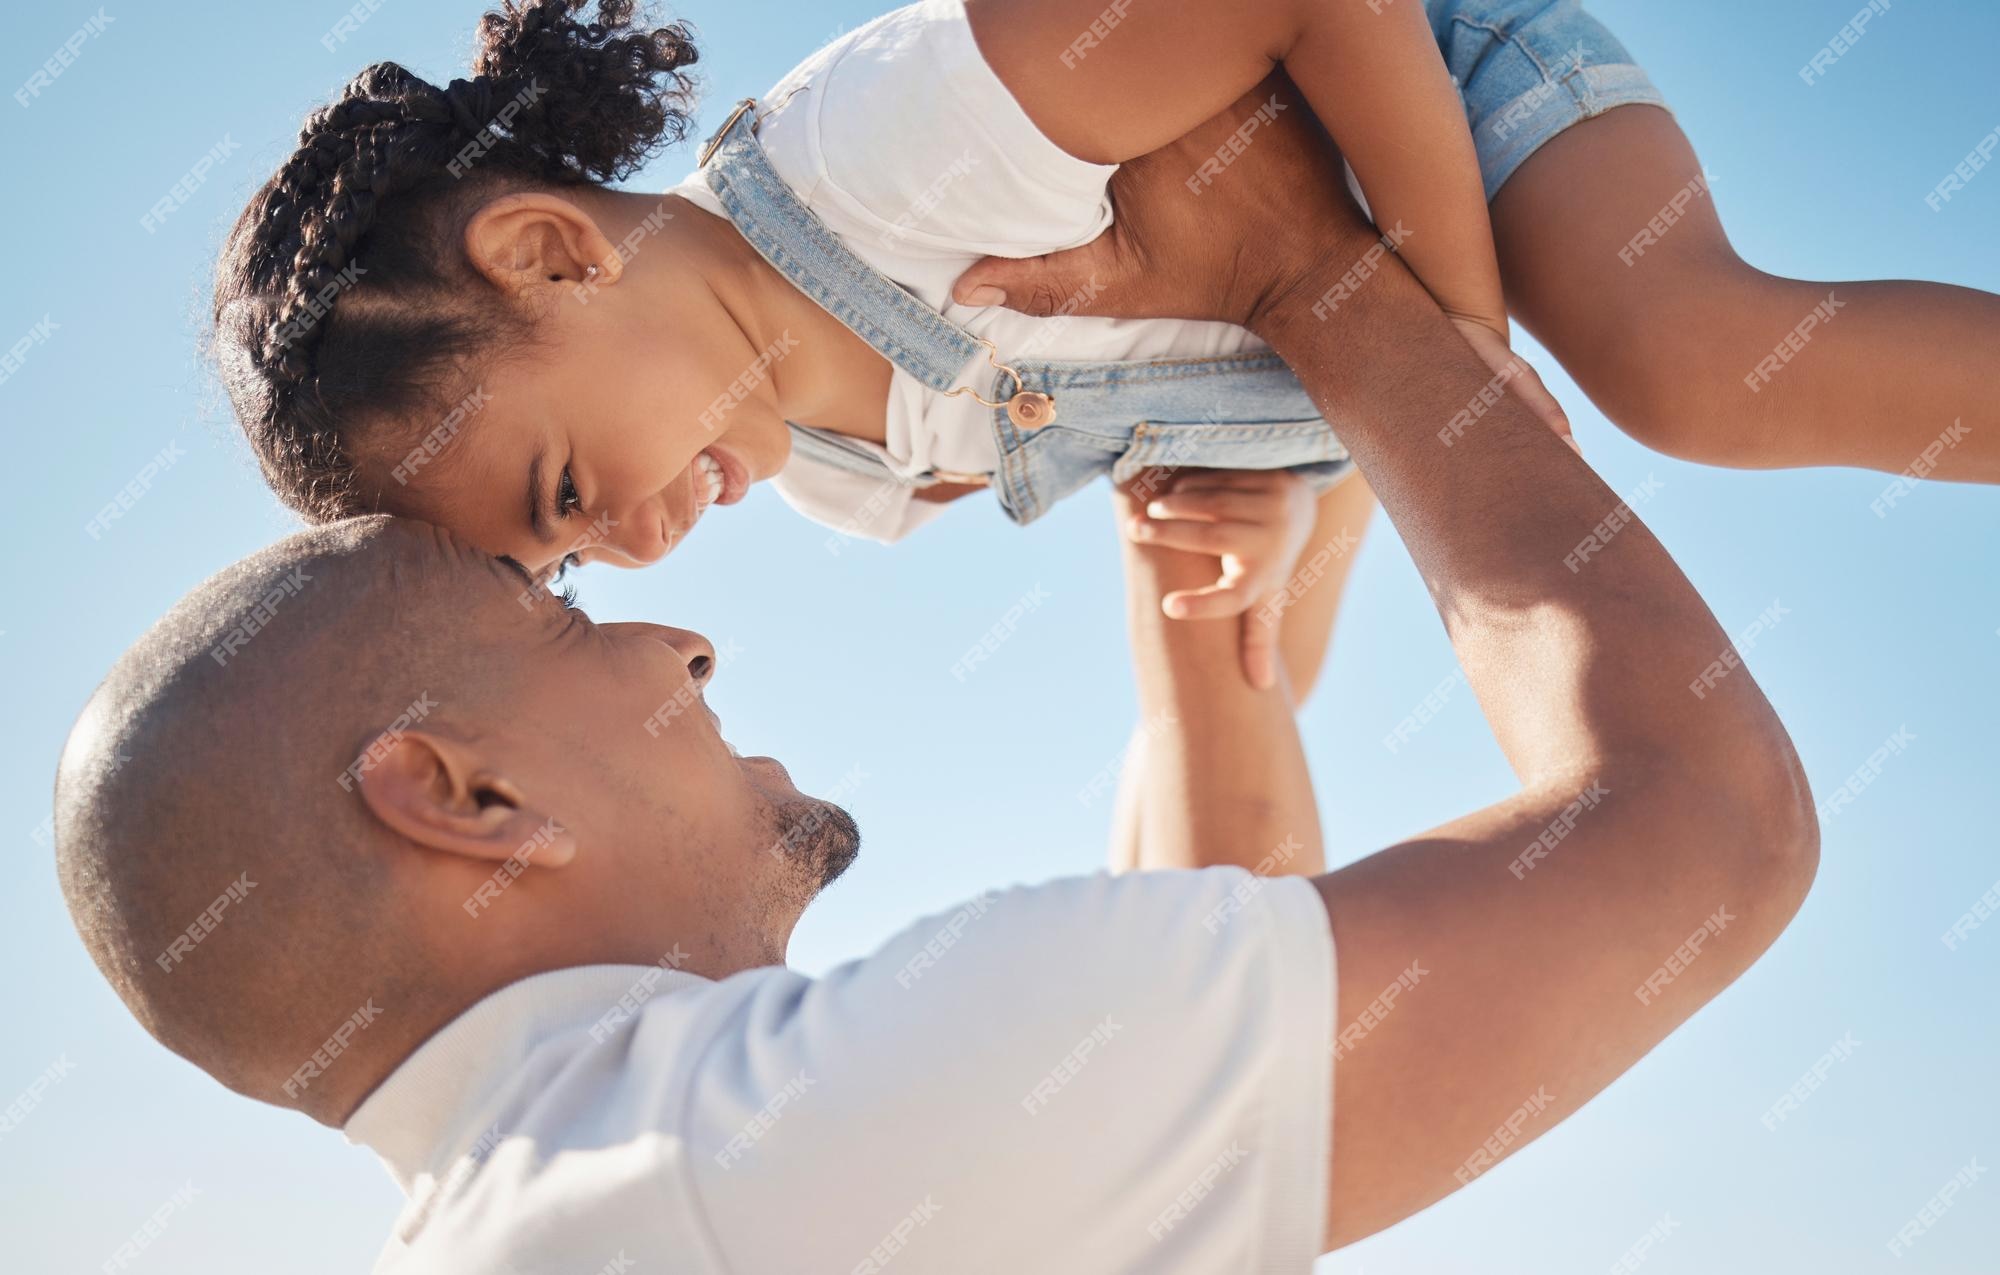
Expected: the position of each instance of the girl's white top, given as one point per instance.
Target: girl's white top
(902, 140)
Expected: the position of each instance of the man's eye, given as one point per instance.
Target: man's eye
(567, 500)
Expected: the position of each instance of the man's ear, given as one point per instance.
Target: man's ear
(531, 240)
(441, 795)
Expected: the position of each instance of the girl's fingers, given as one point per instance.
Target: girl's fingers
(1218, 601)
(1213, 538)
(1528, 384)
(1213, 505)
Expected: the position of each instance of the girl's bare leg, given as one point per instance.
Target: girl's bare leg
(1614, 257)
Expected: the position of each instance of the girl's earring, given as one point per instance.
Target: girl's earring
(590, 273)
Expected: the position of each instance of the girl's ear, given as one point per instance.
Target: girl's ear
(529, 241)
(439, 794)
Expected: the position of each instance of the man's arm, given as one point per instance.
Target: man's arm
(1498, 971)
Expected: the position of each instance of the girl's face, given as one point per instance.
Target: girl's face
(631, 414)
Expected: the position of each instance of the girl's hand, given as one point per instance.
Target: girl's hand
(1257, 522)
(1491, 346)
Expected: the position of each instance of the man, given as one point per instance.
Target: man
(521, 931)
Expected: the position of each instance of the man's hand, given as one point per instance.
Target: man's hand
(1183, 246)
(1232, 246)
(1256, 522)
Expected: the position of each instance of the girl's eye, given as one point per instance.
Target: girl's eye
(567, 500)
(567, 592)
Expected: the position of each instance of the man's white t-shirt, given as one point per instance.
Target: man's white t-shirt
(1100, 1075)
(903, 141)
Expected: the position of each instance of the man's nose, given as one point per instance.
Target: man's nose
(694, 650)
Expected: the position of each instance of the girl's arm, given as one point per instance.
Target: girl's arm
(1109, 82)
(1225, 779)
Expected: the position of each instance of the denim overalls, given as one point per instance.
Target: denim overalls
(1242, 411)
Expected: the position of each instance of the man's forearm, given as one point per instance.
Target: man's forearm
(1574, 661)
(1225, 772)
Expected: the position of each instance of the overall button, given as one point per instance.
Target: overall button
(1031, 410)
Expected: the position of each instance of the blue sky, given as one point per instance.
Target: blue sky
(844, 662)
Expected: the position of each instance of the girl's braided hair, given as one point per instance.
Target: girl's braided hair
(342, 298)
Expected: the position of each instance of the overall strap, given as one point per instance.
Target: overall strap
(785, 233)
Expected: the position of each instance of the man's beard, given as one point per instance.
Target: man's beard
(818, 840)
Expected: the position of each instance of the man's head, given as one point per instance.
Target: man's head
(356, 782)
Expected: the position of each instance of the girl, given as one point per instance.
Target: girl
(437, 306)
